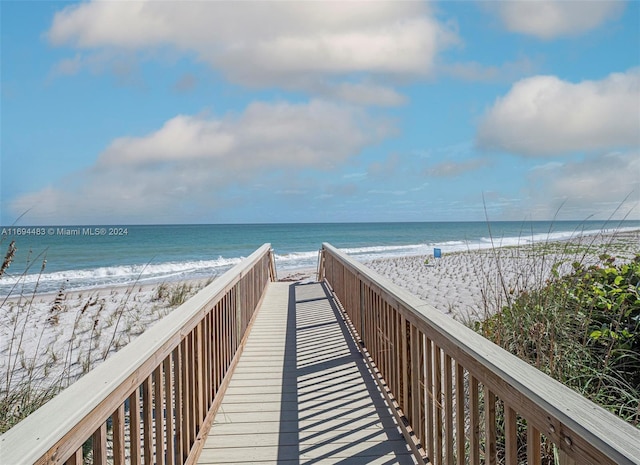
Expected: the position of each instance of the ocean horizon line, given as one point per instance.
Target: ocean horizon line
(275, 223)
(99, 255)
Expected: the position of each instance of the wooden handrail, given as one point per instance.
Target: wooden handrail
(447, 382)
(155, 398)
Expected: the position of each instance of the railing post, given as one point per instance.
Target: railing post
(580, 431)
(238, 300)
(320, 272)
(361, 329)
(160, 379)
(272, 266)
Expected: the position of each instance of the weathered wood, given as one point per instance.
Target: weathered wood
(184, 401)
(147, 420)
(427, 389)
(490, 450)
(474, 422)
(118, 436)
(158, 409)
(438, 412)
(168, 402)
(460, 415)
(134, 426)
(534, 455)
(448, 410)
(416, 393)
(312, 396)
(580, 430)
(510, 435)
(76, 458)
(57, 431)
(99, 445)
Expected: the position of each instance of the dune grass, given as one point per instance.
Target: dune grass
(48, 342)
(579, 322)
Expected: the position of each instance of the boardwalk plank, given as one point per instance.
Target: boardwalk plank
(301, 392)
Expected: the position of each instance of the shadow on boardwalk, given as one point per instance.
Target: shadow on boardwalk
(301, 393)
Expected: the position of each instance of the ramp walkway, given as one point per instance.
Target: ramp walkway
(301, 393)
(255, 371)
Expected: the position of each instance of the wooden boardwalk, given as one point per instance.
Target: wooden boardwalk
(301, 393)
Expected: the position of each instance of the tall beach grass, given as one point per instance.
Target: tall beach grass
(48, 341)
(573, 312)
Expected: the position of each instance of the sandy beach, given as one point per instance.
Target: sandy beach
(467, 285)
(49, 338)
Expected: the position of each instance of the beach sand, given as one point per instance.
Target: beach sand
(468, 285)
(52, 339)
(47, 339)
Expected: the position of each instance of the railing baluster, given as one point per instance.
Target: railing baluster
(415, 385)
(169, 386)
(191, 391)
(474, 416)
(198, 391)
(368, 336)
(163, 383)
(218, 342)
(448, 409)
(422, 380)
(490, 426)
(533, 446)
(158, 408)
(404, 348)
(387, 343)
(510, 435)
(135, 426)
(186, 406)
(398, 353)
(118, 436)
(99, 445)
(208, 357)
(227, 323)
(397, 359)
(460, 415)
(147, 420)
(178, 405)
(437, 402)
(429, 389)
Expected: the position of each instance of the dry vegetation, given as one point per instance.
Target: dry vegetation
(49, 341)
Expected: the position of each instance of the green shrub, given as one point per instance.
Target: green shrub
(583, 329)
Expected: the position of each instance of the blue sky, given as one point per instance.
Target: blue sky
(221, 112)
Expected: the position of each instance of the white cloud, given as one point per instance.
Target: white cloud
(365, 93)
(548, 19)
(192, 163)
(545, 116)
(595, 186)
(266, 134)
(262, 43)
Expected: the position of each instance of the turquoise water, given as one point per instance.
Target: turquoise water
(90, 256)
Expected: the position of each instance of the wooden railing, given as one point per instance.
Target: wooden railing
(460, 398)
(152, 402)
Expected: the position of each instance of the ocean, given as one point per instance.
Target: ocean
(83, 257)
